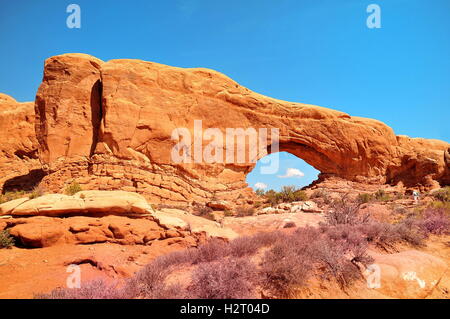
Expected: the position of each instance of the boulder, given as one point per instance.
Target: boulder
(82, 203)
(220, 205)
(310, 207)
(43, 233)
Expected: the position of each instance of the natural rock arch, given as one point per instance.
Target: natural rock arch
(143, 102)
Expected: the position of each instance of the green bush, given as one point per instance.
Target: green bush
(381, 195)
(73, 188)
(6, 240)
(364, 198)
(260, 192)
(288, 194)
(443, 194)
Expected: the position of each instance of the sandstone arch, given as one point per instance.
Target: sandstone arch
(142, 102)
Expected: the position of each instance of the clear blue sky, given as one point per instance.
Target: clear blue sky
(310, 51)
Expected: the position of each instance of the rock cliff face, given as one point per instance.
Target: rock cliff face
(109, 125)
(19, 164)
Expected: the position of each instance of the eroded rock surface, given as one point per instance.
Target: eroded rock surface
(109, 125)
(82, 203)
(407, 274)
(19, 165)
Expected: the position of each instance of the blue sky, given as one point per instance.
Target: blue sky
(317, 52)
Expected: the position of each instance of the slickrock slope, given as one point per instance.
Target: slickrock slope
(102, 216)
(109, 126)
(19, 164)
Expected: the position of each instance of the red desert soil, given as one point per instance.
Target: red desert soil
(25, 272)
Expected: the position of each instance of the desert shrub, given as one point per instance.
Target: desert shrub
(203, 211)
(319, 193)
(285, 268)
(381, 195)
(6, 240)
(96, 289)
(150, 283)
(272, 197)
(212, 250)
(231, 278)
(344, 211)
(386, 235)
(287, 194)
(323, 194)
(300, 195)
(268, 238)
(257, 204)
(244, 246)
(260, 192)
(38, 191)
(248, 245)
(440, 205)
(409, 231)
(9, 196)
(398, 196)
(364, 198)
(245, 211)
(442, 194)
(349, 236)
(435, 221)
(73, 188)
(289, 225)
(401, 210)
(290, 194)
(331, 257)
(228, 213)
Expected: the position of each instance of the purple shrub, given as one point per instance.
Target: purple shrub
(211, 251)
(435, 221)
(96, 289)
(229, 278)
(248, 245)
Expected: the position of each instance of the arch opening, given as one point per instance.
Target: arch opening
(291, 170)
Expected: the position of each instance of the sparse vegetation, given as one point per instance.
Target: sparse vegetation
(345, 211)
(9, 196)
(381, 195)
(322, 194)
(364, 198)
(245, 211)
(436, 221)
(203, 211)
(232, 278)
(442, 194)
(6, 240)
(38, 191)
(73, 188)
(333, 251)
(287, 194)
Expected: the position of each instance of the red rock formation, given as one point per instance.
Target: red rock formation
(123, 140)
(19, 165)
